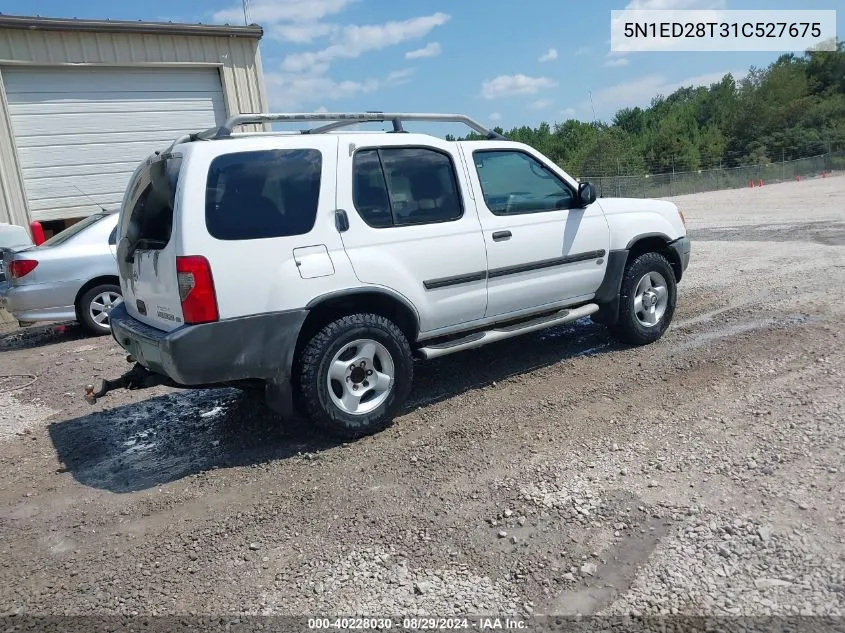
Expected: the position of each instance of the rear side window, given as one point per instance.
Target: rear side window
(261, 194)
(399, 186)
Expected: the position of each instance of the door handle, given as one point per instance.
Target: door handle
(500, 236)
(341, 220)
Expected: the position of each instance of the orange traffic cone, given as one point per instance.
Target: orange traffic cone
(760, 184)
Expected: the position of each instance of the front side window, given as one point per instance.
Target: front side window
(399, 186)
(514, 182)
(261, 194)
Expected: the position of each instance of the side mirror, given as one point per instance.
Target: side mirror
(586, 194)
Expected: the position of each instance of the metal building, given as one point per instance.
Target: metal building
(83, 101)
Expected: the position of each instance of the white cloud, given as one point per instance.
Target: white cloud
(429, 50)
(540, 104)
(548, 56)
(674, 5)
(399, 77)
(616, 62)
(352, 41)
(510, 85)
(302, 78)
(639, 92)
(288, 91)
(301, 33)
(582, 51)
(495, 117)
(568, 113)
(273, 11)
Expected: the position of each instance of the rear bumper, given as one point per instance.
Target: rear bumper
(40, 302)
(258, 347)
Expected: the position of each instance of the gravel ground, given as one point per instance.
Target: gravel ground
(558, 473)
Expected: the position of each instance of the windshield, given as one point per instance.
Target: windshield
(63, 236)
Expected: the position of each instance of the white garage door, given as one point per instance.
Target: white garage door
(82, 131)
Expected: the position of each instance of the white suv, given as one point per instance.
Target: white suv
(318, 264)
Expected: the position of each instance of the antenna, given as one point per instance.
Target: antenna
(102, 208)
(601, 147)
(246, 12)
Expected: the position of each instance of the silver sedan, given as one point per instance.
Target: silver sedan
(71, 276)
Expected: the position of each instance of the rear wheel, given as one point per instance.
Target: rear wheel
(94, 307)
(355, 374)
(647, 300)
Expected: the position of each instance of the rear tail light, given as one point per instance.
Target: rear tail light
(20, 267)
(196, 289)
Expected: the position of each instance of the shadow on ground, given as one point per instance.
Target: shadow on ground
(40, 335)
(162, 439)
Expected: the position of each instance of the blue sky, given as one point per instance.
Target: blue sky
(502, 62)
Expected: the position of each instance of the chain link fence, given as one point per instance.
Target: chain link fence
(682, 183)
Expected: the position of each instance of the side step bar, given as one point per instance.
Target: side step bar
(504, 332)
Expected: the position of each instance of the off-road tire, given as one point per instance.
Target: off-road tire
(628, 328)
(83, 304)
(312, 367)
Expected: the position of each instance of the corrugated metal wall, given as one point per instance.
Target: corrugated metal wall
(236, 57)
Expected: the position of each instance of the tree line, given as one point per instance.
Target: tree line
(793, 108)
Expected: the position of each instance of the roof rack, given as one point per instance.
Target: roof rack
(337, 120)
(333, 121)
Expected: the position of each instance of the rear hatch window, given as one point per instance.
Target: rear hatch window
(150, 204)
(145, 256)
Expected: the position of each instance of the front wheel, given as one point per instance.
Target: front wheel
(647, 300)
(355, 374)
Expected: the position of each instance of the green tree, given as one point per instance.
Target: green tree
(794, 107)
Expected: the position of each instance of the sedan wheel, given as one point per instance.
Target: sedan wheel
(101, 306)
(95, 305)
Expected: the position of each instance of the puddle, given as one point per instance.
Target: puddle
(214, 412)
(593, 350)
(140, 448)
(142, 445)
(741, 327)
(828, 233)
(726, 331)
